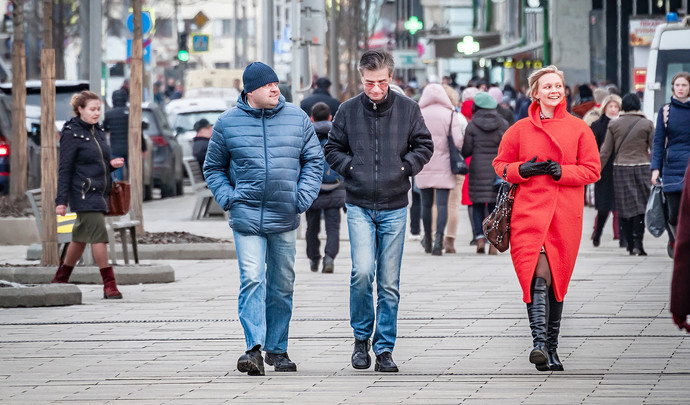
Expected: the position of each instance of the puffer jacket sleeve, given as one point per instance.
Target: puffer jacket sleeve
(68, 155)
(337, 149)
(421, 144)
(659, 142)
(216, 168)
(311, 161)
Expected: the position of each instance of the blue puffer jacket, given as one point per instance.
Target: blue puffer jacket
(264, 166)
(672, 160)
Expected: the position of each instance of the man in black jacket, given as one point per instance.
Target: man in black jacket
(320, 94)
(378, 141)
(116, 123)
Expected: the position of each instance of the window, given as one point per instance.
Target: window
(222, 28)
(164, 28)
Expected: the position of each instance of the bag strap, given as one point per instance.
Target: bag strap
(626, 136)
(450, 126)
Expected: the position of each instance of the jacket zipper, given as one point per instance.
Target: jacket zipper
(84, 190)
(105, 169)
(263, 197)
(376, 157)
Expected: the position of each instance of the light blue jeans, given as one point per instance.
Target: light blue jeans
(267, 263)
(377, 239)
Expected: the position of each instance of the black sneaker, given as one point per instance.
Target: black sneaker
(385, 363)
(314, 264)
(251, 363)
(328, 264)
(360, 356)
(280, 362)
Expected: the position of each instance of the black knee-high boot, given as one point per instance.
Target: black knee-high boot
(627, 225)
(538, 313)
(554, 328)
(638, 236)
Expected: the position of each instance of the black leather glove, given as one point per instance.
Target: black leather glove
(554, 169)
(533, 168)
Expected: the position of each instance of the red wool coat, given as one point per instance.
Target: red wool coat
(548, 213)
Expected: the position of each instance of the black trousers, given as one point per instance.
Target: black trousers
(332, 217)
(415, 211)
(441, 209)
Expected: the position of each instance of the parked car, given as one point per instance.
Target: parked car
(168, 172)
(5, 128)
(183, 113)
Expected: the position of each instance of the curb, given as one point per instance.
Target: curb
(40, 296)
(124, 275)
(170, 251)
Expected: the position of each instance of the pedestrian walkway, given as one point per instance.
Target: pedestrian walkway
(463, 335)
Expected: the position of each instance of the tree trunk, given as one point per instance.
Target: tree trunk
(59, 40)
(18, 157)
(135, 96)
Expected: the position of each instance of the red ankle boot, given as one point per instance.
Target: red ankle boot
(109, 287)
(63, 273)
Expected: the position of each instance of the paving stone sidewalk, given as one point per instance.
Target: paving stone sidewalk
(463, 337)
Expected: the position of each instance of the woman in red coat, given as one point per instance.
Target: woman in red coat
(551, 156)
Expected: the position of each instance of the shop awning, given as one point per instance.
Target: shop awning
(506, 50)
(447, 45)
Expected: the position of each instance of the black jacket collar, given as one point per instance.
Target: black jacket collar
(381, 107)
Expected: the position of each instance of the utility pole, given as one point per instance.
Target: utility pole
(49, 252)
(134, 140)
(268, 32)
(95, 39)
(18, 158)
(235, 42)
(296, 50)
(333, 56)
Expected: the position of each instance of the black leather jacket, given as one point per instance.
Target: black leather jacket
(84, 167)
(377, 147)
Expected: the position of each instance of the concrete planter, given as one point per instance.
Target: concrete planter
(40, 296)
(125, 275)
(18, 231)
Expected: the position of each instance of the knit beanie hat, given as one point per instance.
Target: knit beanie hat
(257, 75)
(496, 93)
(485, 101)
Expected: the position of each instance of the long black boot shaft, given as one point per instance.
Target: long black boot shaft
(554, 328)
(638, 235)
(538, 313)
(627, 225)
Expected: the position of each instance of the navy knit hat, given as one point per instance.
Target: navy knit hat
(257, 75)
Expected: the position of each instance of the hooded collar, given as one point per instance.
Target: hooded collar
(243, 105)
(535, 109)
(679, 103)
(381, 107)
(78, 122)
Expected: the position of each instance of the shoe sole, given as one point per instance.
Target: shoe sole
(112, 297)
(327, 269)
(385, 370)
(281, 369)
(539, 359)
(246, 366)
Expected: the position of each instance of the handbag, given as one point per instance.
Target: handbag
(457, 162)
(119, 199)
(496, 226)
(654, 217)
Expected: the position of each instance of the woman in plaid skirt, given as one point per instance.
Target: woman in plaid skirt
(629, 142)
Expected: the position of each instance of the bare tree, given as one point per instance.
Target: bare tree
(359, 19)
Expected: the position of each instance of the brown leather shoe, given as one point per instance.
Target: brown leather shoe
(481, 244)
(492, 249)
(449, 245)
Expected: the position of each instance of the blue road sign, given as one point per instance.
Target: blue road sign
(200, 43)
(146, 45)
(146, 23)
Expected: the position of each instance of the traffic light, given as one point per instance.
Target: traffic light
(183, 50)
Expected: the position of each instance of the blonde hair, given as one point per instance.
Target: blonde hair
(452, 94)
(611, 98)
(533, 79)
(81, 99)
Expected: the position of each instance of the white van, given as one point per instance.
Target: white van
(183, 113)
(669, 54)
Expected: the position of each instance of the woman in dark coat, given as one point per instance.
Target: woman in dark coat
(482, 137)
(604, 200)
(84, 183)
(629, 138)
(671, 150)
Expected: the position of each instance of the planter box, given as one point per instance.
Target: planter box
(18, 231)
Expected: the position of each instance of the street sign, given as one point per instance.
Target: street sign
(200, 43)
(468, 45)
(146, 22)
(146, 47)
(413, 25)
(200, 19)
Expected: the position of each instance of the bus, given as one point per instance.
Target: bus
(669, 54)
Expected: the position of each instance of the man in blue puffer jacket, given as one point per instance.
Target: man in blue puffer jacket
(264, 164)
